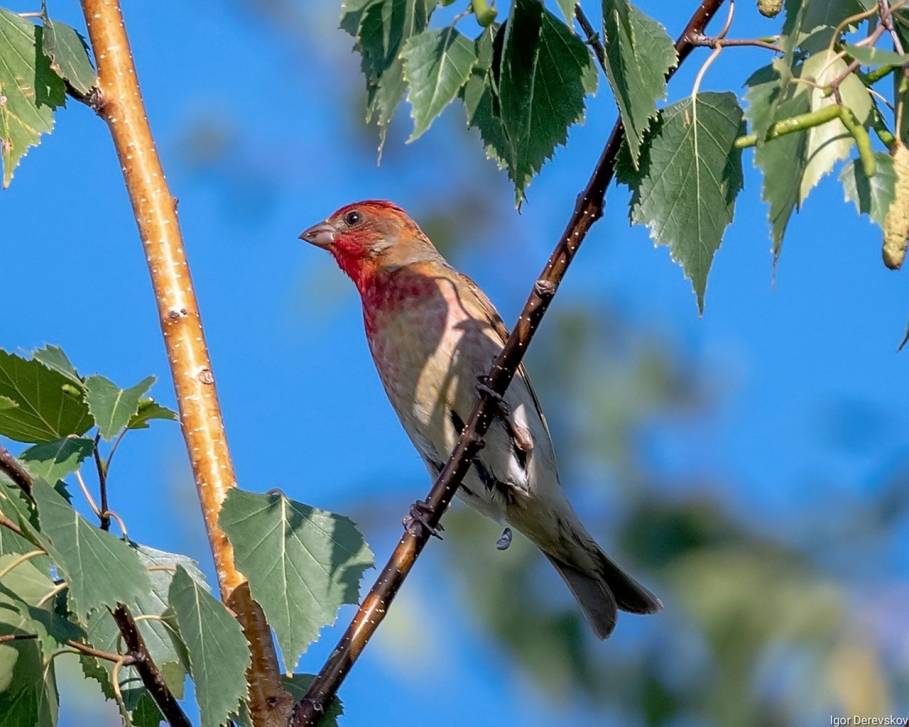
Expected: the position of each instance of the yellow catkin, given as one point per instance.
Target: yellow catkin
(770, 8)
(896, 225)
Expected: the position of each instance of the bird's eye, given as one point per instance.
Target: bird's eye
(352, 218)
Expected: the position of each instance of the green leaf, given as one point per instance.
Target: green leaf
(567, 7)
(53, 461)
(146, 713)
(149, 409)
(27, 695)
(352, 14)
(100, 570)
(639, 54)
(159, 639)
(436, 64)
(48, 404)
(782, 160)
(111, 406)
(68, 54)
(29, 90)
(15, 507)
(384, 27)
(298, 684)
(303, 564)
(872, 57)
(830, 142)
(480, 99)
(872, 196)
(55, 359)
(689, 176)
(546, 72)
(218, 653)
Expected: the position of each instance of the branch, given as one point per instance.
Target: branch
(13, 469)
(154, 207)
(147, 668)
(588, 209)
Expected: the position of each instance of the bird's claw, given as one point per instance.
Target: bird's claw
(504, 540)
(484, 388)
(416, 521)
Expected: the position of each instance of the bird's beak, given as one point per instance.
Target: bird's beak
(321, 235)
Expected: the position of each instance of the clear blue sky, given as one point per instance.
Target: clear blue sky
(813, 391)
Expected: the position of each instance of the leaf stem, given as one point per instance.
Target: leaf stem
(587, 210)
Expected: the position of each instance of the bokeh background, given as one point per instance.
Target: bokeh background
(750, 466)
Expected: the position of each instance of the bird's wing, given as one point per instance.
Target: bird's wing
(487, 310)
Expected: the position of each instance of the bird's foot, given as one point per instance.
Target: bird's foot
(504, 540)
(417, 520)
(484, 388)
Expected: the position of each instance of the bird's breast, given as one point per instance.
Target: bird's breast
(429, 346)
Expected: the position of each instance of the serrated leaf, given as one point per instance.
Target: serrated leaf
(100, 570)
(830, 142)
(48, 404)
(303, 564)
(480, 101)
(546, 72)
(146, 713)
(872, 196)
(782, 160)
(873, 57)
(149, 409)
(159, 638)
(68, 54)
(689, 176)
(639, 54)
(55, 359)
(567, 7)
(436, 64)
(52, 461)
(384, 26)
(298, 684)
(111, 406)
(29, 90)
(15, 507)
(352, 15)
(218, 653)
(28, 695)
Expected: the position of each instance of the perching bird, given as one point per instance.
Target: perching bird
(433, 335)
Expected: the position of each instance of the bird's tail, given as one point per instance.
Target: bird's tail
(601, 587)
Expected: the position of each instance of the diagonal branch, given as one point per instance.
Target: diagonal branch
(119, 103)
(148, 670)
(588, 209)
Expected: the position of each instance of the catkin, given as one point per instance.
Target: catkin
(896, 224)
(770, 8)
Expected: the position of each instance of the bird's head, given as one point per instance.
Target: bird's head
(371, 237)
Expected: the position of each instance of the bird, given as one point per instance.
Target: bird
(433, 335)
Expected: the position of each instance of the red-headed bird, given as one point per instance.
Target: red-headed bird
(433, 335)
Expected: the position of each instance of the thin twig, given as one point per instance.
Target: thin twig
(713, 42)
(593, 39)
(588, 209)
(104, 510)
(155, 211)
(17, 637)
(5, 522)
(86, 493)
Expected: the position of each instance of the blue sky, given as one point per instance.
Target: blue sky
(813, 393)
